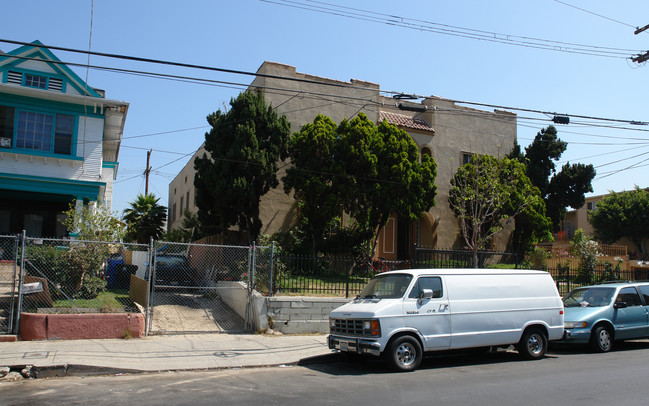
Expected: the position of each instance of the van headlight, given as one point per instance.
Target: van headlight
(575, 324)
(332, 323)
(372, 328)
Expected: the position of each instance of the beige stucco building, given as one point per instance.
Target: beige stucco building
(448, 132)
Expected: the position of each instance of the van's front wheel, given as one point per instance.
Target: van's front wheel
(533, 344)
(404, 353)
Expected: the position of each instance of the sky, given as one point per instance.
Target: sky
(538, 58)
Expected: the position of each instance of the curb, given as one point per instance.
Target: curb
(80, 370)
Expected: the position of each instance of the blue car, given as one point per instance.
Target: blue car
(598, 315)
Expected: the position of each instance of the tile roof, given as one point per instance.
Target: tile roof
(401, 120)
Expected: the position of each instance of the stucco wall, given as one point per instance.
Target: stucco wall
(457, 130)
(80, 326)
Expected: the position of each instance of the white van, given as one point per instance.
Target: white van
(402, 314)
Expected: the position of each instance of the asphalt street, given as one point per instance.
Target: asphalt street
(567, 376)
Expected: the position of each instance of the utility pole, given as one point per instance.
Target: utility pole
(644, 57)
(146, 172)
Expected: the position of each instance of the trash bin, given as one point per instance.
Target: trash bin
(112, 271)
(122, 279)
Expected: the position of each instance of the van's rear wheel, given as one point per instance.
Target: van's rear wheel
(404, 353)
(533, 344)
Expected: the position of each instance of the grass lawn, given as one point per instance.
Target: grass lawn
(111, 301)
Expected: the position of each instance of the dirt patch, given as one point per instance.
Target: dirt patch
(175, 312)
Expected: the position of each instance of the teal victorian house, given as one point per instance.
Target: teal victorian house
(59, 142)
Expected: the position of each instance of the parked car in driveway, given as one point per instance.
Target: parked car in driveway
(598, 315)
(174, 270)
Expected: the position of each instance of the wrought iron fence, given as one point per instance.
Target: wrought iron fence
(436, 258)
(568, 278)
(324, 275)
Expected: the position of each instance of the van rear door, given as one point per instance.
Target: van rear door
(431, 317)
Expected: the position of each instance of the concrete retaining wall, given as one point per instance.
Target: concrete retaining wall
(299, 315)
(286, 314)
(35, 326)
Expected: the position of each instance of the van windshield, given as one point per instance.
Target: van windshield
(589, 297)
(391, 286)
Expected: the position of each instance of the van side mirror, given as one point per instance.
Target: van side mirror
(426, 294)
(620, 305)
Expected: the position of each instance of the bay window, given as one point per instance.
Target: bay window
(36, 131)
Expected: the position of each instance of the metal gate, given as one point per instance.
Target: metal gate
(201, 288)
(8, 282)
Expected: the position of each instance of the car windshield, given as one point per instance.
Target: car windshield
(391, 286)
(170, 261)
(589, 297)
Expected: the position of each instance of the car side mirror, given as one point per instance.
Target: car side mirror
(620, 305)
(426, 294)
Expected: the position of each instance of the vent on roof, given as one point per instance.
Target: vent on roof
(420, 122)
(56, 84)
(15, 77)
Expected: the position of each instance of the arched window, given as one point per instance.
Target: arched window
(426, 151)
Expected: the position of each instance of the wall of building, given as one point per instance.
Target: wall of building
(182, 193)
(457, 130)
(301, 102)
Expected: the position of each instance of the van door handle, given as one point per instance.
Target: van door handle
(443, 307)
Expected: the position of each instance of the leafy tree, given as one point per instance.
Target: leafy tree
(624, 214)
(188, 232)
(484, 193)
(244, 145)
(369, 171)
(311, 153)
(586, 250)
(85, 259)
(145, 219)
(558, 189)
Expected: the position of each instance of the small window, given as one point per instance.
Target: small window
(629, 296)
(187, 201)
(590, 206)
(63, 134)
(466, 158)
(36, 81)
(6, 126)
(427, 282)
(644, 289)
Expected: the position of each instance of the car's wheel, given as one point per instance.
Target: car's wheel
(533, 344)
(404, 353)
(601, 339)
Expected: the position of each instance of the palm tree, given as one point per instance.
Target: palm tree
(145, 219)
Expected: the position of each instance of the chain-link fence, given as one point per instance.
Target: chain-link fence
(199, 288)
(8, 282)
(185, 288)
(73, 276)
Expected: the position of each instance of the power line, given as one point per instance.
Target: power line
(445, 29)
(595, 14)
(323, 83)
(293, 93)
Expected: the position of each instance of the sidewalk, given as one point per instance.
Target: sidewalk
(162, 353)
